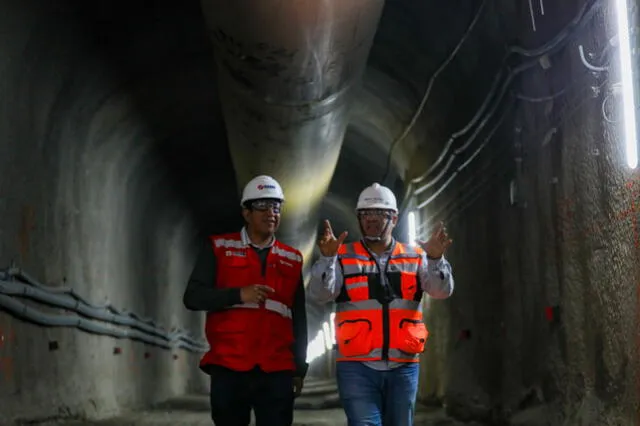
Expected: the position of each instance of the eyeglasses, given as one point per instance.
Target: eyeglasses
(264, 205)
(375, 213)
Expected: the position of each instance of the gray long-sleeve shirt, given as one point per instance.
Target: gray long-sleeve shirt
(434, 275)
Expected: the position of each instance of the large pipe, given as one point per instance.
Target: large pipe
(287, 70)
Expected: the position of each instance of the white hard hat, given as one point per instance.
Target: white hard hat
(262, 187)
(377, 196)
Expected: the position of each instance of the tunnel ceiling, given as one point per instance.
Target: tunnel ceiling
(163, 59)
(116, 156)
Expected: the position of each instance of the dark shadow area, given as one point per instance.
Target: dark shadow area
(165, 56)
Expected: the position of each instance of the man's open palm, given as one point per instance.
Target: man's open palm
(438, 244)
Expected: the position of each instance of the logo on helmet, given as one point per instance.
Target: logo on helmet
(261, 187)
(376, 200)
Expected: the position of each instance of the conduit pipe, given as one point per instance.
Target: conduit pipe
(21, 275)
(287, 71)
(555, 44)
(51, 320)
(586, 12)
(149, 333)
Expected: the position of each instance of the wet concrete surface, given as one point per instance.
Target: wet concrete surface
(194, 411)
(318, 405)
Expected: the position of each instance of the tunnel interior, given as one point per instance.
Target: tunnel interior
(127, 130)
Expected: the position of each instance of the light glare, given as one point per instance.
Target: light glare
(628, 93)
(411, 217)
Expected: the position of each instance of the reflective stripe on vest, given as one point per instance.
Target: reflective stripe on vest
(269, 305)
(244, 336)
(369, 328)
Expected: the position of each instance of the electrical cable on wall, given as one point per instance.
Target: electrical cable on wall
(615, 90)
(467, 144)
(586, 12)
(488, 183)
(559, 93)
(471, 199)
(464, 191)
(551, 46)
(546, 48)
(454, 208)
(469, 160)
(430, 84)
(95, 319)
(589, 65)
(494, 107)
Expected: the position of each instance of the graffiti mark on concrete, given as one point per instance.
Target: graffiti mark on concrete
(6, 337)
(567, 209)
(6, 369)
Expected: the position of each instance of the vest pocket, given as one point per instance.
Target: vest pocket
(354, 337)
(233, 270)
(227, 336)
(288, 270)
(412, 336)
(408, 285)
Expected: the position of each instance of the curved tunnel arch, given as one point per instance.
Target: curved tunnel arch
(113, 146)
(121, 125)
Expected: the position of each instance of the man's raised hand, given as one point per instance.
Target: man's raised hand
(328, 243)
(438, 244)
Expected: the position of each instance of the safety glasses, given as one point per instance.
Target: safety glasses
(264, 205)
(377, 213)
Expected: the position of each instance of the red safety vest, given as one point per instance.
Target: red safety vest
(248, 335)
(373, 322)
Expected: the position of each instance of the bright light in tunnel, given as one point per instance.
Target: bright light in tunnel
(628, 94)
(317, 347)
(326, 331)
(323, 341)
(411, 217)
(332, 328)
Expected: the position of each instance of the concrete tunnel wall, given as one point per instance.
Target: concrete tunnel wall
(100, 191)
(92, 197)
(563, 243)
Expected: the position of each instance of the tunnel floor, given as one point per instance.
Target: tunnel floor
(316, 407)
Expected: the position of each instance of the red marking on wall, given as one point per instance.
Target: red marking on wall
(638, 346)
(634, 225)
(6, 337)
(464, 334)
(635, 195)
(6, 368)
(566, 214)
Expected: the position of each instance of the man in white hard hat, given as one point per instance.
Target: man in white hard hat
(377, 284)
(251, 287)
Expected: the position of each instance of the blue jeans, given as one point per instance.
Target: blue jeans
(377, 398)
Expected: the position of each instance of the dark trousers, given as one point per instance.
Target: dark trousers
(235, 393)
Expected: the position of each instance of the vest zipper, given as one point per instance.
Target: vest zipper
(385, 303)
(385, 331)
(385, 310)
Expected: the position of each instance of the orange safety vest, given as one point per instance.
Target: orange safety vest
(250, 334)
(374, 322)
